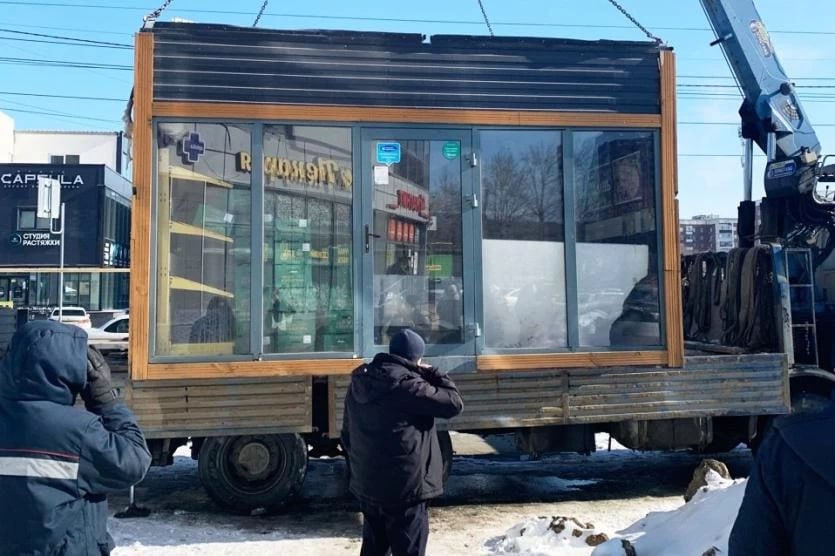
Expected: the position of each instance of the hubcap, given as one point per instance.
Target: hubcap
(253, 461)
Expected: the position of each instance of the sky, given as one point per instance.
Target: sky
(710, 172)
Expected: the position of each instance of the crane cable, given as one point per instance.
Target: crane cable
(637, 24)
(486, 20)
(260, 13)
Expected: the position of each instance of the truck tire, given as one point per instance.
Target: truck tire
(247, 473)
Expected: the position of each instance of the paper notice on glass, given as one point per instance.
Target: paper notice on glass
(381, 175)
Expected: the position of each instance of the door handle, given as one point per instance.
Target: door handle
(368, 236)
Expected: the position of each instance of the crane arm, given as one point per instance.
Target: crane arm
(771, 113)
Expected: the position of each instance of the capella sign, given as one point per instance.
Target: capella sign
(19, 179)
(33, 239)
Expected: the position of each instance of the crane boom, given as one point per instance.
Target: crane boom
(771, 113)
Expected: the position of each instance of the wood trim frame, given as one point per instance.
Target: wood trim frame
(669, 192)
(521, 362)
(358, 114)
(146, 108)
(141, 218)
(250, 369)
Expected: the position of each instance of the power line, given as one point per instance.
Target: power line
(486, 19)
(66, 38)
(57, 114)
(70, 97)
(63, 63)
(48, 28)
(383, 19)
(43, 41)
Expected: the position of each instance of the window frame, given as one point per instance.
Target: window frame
(361, 346)
(46, 227)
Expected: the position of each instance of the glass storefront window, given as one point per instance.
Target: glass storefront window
(523, 261)
(308, 197)
(204, 236)
(617, 239)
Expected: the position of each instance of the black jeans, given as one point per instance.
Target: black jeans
(403, 529)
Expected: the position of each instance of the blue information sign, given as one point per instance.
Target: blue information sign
(388, 153)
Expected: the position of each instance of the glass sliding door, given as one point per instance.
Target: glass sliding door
(417, 237)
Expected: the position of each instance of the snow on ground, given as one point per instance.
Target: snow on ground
(489, 494)
(691, 529)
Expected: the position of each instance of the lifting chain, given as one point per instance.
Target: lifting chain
(637, 24)
(156, 13)
(487, 21)
(260, 13)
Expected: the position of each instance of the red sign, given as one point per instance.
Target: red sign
(412, 202)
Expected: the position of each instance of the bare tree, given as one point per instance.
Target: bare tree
(543, 184)
(504, 200)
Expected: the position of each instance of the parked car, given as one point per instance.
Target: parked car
(73, 315)
(111, 336)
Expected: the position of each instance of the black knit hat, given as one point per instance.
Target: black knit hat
(407, 344)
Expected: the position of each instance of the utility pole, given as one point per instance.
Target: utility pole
(51, 207)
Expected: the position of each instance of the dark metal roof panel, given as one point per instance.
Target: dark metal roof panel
(232, 64)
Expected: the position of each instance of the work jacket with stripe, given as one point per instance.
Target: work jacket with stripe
(57, 461)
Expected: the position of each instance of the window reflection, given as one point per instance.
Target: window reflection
(617, 246)
(203, 240)
(418, 248)
(308, 292)
(523, 247)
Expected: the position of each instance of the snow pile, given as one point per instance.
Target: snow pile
(546, 535)
(701, 526)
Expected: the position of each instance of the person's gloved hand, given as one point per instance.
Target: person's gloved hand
(432, 375)
(98, 392)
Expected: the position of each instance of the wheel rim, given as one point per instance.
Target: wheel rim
(253, 464)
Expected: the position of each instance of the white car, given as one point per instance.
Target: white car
(111, 336)
(73, 315)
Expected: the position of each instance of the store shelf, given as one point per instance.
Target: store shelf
(189, 230)
(178, 283)
(176, 172)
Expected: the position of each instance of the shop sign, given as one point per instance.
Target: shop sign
(321, 172)
(412, 202)
(451, 150)
(33, 239)
(388, 153)
(24, 179)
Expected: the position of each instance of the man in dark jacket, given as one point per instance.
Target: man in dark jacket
(787, 508)
(392, 446)
(58, 462)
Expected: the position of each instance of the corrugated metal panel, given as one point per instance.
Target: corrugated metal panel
(195, 62)
(707, 386)
(219, 407)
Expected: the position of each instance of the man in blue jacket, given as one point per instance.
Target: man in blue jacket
(389, 435)
(787, 508)
(58, 462)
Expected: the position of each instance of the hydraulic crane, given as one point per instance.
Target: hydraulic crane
(793, 213)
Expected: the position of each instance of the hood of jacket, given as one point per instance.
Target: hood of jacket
(46, 361)
(812, 438)
(374, 380)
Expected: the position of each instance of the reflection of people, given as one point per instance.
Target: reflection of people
(217, 325)
(402, 266)
(450, 310)
(59, 462)
(389, 436)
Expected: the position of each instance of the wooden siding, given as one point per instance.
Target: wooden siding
(168, 409)
(706, 386)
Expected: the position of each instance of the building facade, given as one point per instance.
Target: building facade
(97, 220)
(704, 233)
